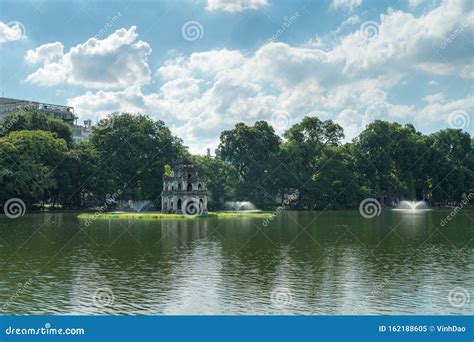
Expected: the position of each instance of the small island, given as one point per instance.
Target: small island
(184, 196)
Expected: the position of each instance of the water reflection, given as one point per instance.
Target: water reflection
(301, 263)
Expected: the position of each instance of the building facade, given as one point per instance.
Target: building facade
(81, 133)
(184, 191)
(64, 113)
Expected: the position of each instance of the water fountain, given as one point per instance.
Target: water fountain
(412, 206)
(240, 206)
(138, 206)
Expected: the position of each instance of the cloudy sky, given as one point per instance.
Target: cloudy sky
(203, 65)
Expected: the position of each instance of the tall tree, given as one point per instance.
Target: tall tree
(306, 141)
(34, 120)
(222, 179)
(334, 183)
(452, 172)
(133, 151)
(32, 159)
(253, 151)
(79, 177)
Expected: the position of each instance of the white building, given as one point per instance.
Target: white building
(64, 113)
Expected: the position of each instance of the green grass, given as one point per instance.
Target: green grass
(261, 214)
(159, 216)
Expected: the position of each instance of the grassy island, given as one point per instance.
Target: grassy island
(160, 216)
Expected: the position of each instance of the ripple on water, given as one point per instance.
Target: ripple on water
(214, 267)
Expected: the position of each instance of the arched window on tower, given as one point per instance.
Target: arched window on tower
(179, 204)
(199, 187)
(179, 186)
(190, 187)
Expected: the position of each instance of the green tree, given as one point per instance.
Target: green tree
(391, 160)
(35, 120)
(133, 152)
(305, 142)
(452, 166)
(398, 162)
(32, 159)
(373, 157)
(79, 177)
(253, 151)
(334, 182)
(222, 179)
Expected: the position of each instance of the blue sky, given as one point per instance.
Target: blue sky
(351, 61)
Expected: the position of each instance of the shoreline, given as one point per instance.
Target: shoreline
(269, 211)
(161, 216)
(83, 213)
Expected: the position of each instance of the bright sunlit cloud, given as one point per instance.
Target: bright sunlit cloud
(353, 73)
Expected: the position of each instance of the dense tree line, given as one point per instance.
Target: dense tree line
(131, 153)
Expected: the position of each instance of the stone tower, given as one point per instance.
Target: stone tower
(184, 192)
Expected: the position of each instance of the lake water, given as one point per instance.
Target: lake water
(307, 263)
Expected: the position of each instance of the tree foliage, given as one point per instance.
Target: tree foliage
(254, 152)
(29, 161)
(222, 179)
(132, 155)
(35, 120)
(306, 143)
(388, 161)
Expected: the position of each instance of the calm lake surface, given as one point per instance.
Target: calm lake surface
(301, 263)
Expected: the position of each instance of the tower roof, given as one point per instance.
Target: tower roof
(184, 163)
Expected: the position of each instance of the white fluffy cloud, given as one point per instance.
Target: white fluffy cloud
(117, 61)
(438, 111)
(433, 98)
(11, 31)
(346, 4)
(234, 5)
(404, 43)
(415, 3)
(351, 82)
(206, 63)
(99, 104)
(181, 89)
(45, 53)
